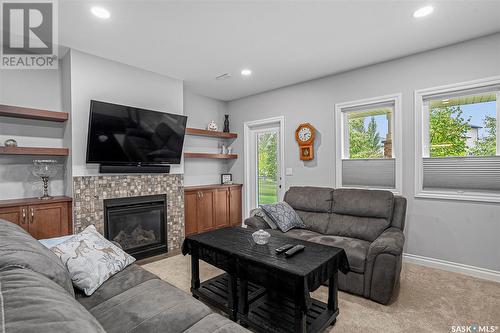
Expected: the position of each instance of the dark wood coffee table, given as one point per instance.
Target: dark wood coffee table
(264, 290)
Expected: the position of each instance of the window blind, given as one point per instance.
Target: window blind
(462, 173)
(369, 173)
(369, 107)
(462, 93)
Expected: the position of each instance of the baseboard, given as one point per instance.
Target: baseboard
(478, 272)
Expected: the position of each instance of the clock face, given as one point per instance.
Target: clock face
(305, 134)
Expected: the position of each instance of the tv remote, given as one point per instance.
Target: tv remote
(294, 250)
(284, 248)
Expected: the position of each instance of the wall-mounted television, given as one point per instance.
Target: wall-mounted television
(126, 135)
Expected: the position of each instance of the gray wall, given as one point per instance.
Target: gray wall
(38, 89)
(200, 111)
(457, 231)
(109, 81)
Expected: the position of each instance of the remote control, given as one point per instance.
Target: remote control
(284, 248)
(294, 250)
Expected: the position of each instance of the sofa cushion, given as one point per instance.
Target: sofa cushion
(152, 306)
(303, 234)
(365, 228)
(355, 249)
(310, 199)
(130, 277)
(366, 203)
(317, 222)
(19, 248)
(215, 323)
(31, 302)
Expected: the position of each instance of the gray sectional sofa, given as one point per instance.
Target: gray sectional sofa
(36, 295)
(367, 224)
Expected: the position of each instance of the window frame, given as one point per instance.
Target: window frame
(341, 130)
(421, 144)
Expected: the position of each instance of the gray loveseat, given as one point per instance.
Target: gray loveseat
(367, 224)
(36, 295)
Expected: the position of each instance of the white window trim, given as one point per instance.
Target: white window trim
(397, 144)
(420, 123)
(247, 126)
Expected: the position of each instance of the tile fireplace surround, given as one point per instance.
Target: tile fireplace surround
(90, 191)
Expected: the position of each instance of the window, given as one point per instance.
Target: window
(368, 141)
(458, 144)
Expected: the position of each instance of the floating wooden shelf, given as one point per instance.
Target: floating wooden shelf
(28, 113)
(206, 155)
(215, 134)
(34, 151)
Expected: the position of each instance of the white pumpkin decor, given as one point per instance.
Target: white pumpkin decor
(212, 126)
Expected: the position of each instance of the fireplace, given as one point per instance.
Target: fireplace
(137, 224)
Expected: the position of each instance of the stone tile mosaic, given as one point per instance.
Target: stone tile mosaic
(90, 191)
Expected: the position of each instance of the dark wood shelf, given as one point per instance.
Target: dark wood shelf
(206, 155)
(28, 113)
(32, 201)
(215, 134)
(34, 151)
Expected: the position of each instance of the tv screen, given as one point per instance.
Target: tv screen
(121, 134)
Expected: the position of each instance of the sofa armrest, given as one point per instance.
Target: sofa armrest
(256, 222)
(391, 241)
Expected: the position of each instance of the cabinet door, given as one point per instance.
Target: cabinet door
(235, 206)
(17, 215)
(190, 215)
(48, 220)
(205, 210)
(221, 207)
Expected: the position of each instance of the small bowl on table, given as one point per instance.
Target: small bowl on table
(261, 237)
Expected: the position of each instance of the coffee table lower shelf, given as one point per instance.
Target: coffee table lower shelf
(277, 315)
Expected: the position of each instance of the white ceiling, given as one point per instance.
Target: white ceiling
(283, 42)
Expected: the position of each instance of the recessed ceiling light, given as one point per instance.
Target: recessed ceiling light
(100, 12)
(246, 72)
(424, 11)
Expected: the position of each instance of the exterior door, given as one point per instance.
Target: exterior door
(265, 177)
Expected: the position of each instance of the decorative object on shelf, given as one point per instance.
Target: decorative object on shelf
(226, 123)
(305, 135)
(226, 178)
(212, 126)
(45, 169)
(229, 150)
(223, 149)
(10, 143)
(261, 237)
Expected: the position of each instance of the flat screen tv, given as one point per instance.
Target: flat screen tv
(125, 135)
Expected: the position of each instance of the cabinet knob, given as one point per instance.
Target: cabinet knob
(23, 221)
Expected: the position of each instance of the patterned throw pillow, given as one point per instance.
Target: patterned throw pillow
(260, 213)
(283, 215)
(91, 259)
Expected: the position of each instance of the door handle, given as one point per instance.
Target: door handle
(32, 215)
(23, 221)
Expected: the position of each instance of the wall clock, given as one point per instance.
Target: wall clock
(304, 135)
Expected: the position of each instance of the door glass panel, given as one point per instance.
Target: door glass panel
(267, 167)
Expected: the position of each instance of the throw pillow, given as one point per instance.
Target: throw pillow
(283, 215)
(260, 213)
(91, 259)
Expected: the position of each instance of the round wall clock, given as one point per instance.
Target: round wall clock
(305, 135)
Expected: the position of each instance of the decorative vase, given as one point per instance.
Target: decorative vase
(226, 123)
(45, 169)
(10, 143)
(212, 126)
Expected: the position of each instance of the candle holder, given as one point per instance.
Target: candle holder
(45, 169)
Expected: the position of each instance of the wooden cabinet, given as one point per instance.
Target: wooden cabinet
(211, 207)
(41, 218)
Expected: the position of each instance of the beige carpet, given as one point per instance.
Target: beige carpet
(430, 300)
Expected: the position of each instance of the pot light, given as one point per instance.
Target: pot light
(424, 11)
(246, 72)
(100, 12)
